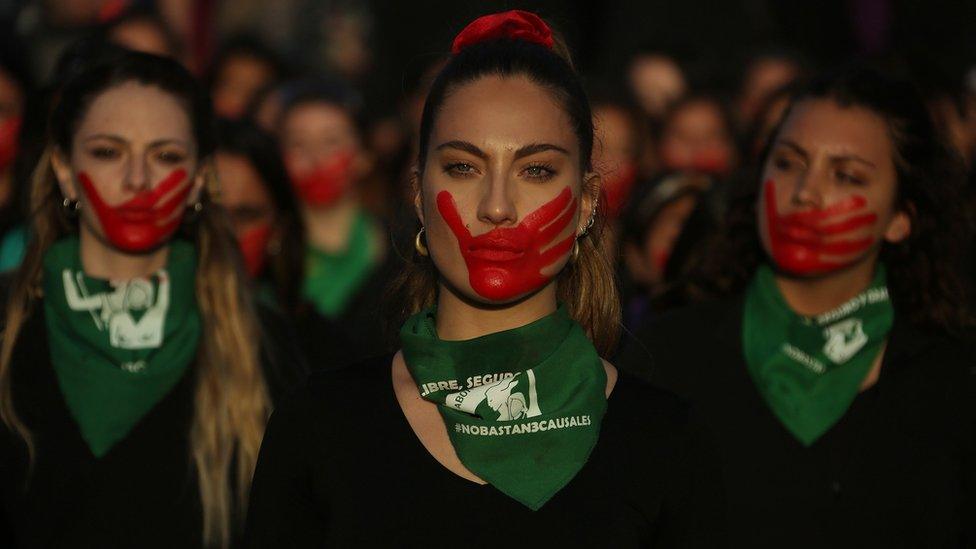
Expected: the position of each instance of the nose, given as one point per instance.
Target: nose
(497, 206)
(138, 175)
(810, 190)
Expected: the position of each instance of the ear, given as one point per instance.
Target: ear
(418, 201)
(589, 200)
(205, 172)
(899, 227)
(62, 171)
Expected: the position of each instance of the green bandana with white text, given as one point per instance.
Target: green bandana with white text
(118, 347)
(522, 407)
(810, 369)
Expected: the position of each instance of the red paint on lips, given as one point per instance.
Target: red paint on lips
(147, 219)
(506, 262)
(800, 242)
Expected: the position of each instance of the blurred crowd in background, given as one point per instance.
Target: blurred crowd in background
(320, 100)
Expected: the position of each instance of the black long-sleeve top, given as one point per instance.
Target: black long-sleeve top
(143, 492)
(898, 470)
(341, 467)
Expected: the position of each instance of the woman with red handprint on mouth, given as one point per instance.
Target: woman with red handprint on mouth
(839, 359)
(498, 417)
(347, 264)
(136, 376)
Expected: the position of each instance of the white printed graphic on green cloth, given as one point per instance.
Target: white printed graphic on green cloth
(844, 340)
(133, 313)
(508, 399)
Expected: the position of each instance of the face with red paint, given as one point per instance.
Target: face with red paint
(502, 194)
(615, 154)
(323, 153)
(246, 198)
(829, 187)
(697, 138)
(132, 168)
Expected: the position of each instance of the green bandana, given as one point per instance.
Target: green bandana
(118, 347)
(810, 369)
(522, 407)
(331, 279)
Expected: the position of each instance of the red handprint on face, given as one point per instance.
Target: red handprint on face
(146, 220)
(327, 182)
(507, 262)
(802, 242)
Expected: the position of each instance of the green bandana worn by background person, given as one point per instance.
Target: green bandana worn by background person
(810, 369)
(522, 407)
(118, 348)
(331, 279)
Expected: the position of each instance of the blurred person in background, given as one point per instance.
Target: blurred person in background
(764, 73)
(835, 367)
(616, 152)
(651, 226)
(348, 261)
(136, 372)
(256, 192)
(656, 81)
(241, 69)
(697, 136)
(142, 29)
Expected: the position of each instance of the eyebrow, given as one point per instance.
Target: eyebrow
(835, 158)
(527, 150)
(120, 139)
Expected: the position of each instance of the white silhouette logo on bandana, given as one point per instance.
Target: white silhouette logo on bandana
(508, 397)
(844, 340)
(113, 311)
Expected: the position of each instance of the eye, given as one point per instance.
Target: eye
(540, 172)
(104, 152)
(782, 163)
(171, 157)
(459, 169)
(849, 178)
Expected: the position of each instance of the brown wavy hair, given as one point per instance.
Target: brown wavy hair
(586, 286)
(231, 402)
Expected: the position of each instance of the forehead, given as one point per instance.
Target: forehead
(503, 113)
(822, 124)
(136, 112)
(317, 116)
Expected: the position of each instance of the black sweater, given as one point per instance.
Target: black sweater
(898, 470)
(142, 493)
(341, 467)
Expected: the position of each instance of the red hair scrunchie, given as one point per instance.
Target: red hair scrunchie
(514, 24)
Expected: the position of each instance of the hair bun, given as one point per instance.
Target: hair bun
(514, 24)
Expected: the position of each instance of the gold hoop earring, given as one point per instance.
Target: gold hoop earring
(419, 244)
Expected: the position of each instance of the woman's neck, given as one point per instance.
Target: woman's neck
(100, 260)
(328, 228)
(460, 319)
(814, 296)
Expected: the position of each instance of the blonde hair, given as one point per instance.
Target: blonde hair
(231, 401)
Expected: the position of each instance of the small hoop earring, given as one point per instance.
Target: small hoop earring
(194, 212)
(419, 245)
(70, 207)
